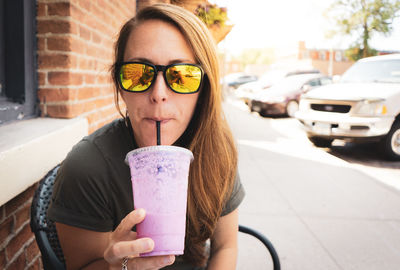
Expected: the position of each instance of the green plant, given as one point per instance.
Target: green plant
(211, 14)
(355, 53)
(361, 19)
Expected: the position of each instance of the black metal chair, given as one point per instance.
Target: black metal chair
(46, 234)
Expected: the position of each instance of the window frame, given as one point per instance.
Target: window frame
(18, 99)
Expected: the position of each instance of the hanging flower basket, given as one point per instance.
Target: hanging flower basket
(215, 18)
(220, 32)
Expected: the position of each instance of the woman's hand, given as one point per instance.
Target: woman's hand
(124, 243)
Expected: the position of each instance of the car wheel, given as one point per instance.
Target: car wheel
(263, 113)
(250, 104)
(320, 142)
(292, 107)
(390, 144)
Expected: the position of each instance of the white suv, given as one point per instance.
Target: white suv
(363, 105)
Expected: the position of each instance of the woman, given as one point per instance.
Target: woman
(92, 200)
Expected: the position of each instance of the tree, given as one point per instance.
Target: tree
(361, 19)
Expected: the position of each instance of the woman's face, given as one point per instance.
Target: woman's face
(159, 43)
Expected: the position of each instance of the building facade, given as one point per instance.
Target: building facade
(328, 61)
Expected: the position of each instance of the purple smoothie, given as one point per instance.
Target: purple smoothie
(159, 177)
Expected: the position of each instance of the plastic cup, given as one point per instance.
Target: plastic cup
(159, 177)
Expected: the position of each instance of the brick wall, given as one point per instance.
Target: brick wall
(75, 51)
(18, 248)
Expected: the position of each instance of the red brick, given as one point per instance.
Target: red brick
(86, 5)
(41, 9)
(84, 33)
(19, 200)
(42, 78)
(92, 64)
(3, 260)
(90, 106)
(58, 78)
(32, 252)
(64, 78)
(65, 110)
(107, 43)
(18, 264)
(95, 52)
(102, 102)
(93, 117)
(83, 63)
(55, 94)
(107, 91)
(53, 26)
(96, 38)
(59, 9)
(18, 242)
(78, 46)
(76, 12)
(88, 93)
(90, 79)
(74, 28)
(104, 79)
(57, 60)
(22, 216)
(35, 266)
(111, 111)
(58, 44)
(90, 21)
(41, 43)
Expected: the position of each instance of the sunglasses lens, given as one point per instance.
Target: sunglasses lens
(184, 78)
(136, 77)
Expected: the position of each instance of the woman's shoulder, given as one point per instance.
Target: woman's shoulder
(235, 198)
(107, 132)
(95, 151)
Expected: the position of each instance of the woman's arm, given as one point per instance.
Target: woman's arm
(224, 243)
(85, 249)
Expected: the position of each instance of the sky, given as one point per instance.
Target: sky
(282, 24)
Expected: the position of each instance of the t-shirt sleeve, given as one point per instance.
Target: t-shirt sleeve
(80, 196)
(236, 197)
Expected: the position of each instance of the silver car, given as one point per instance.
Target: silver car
(363, 106)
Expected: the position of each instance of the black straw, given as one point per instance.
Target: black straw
(158, 133)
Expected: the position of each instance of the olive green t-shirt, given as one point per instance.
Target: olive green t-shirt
(93, 189)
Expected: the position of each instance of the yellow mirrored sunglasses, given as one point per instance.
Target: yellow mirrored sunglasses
(181, 78)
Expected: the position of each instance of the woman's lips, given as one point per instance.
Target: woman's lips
(162, 120)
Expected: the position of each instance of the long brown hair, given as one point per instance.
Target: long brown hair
(208, 136)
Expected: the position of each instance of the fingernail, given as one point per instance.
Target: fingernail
(148, 245)
(168, 259)
(141, 212)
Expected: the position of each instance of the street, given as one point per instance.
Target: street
(335, 208)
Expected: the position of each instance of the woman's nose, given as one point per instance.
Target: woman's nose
(159, 90)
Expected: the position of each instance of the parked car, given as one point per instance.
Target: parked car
(363, 106)
(283, 97)
(236, 79)
(248, 91)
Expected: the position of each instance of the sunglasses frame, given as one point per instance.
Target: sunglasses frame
(157, 69)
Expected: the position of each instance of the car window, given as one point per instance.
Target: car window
(325, 81)
(314, 82)
(290, 83)
(373, 71)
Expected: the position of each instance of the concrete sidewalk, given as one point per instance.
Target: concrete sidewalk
(319, 213)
